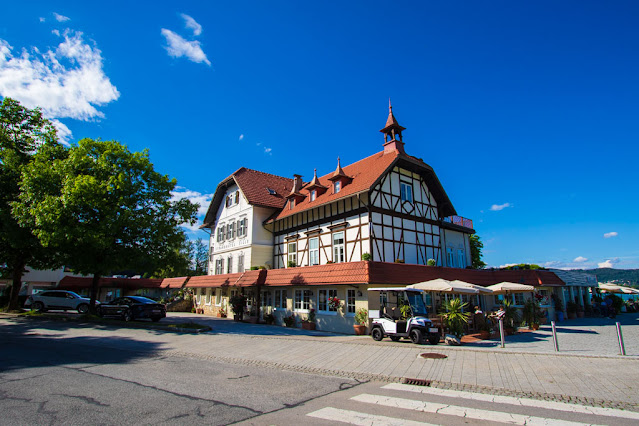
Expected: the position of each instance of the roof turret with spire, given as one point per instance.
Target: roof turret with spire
(392, 133)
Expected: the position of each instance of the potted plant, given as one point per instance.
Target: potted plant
(454, 317)
(571, 309)
(238, 303)
(532, 314)
(511, 317)
(289, 320)
(361, 321)
(559, 307)
(309, 322)
(334, 303)
(431, 262)
(269, 319)
(221, 313)
(366, 256)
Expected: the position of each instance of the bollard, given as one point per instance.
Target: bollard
(554, 336)
(501, 332)
(622, 347)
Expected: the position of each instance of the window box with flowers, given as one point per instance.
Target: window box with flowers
(334, 303)
(309, 322)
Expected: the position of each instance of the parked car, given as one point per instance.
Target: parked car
(58, 299)
(133, 307)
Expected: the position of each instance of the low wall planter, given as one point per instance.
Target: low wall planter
(360, 330)
(308, 325)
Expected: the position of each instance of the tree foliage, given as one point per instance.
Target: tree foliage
(23, 132)
(476, 247)
(103, 207)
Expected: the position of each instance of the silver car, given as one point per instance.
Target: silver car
(58, 299)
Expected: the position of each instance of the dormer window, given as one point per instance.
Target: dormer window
(291, 203)
(313, 195)
(337, 186)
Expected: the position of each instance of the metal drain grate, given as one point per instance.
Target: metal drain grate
(433, 355)
(415, 382)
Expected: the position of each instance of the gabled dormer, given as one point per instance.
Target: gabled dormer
(315, 188)
(295, 196)
(339, 178)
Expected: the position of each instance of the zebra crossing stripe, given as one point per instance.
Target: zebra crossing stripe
(465, 412)
(363, 419)
(522, 402)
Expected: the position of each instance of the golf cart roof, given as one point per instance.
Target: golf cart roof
(396, 289)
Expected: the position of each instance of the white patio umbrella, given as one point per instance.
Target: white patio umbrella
(507, 288)
(614, 288)
(479, 288)
(443, 286)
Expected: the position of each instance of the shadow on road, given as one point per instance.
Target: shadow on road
(31, 344)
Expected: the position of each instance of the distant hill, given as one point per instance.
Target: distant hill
(620, 276)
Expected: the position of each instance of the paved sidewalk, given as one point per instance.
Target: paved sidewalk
(527, 367)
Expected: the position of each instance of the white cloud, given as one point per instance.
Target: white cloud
(580, 259)
(66, 82)
(42, 19)
(268, 151)
(195, 197)
(498, 207)
(610, 263)
(610, 234)
(241, 137)
(59, 18)
(191, 24)
(508, 264)
(64, 133)
(178, 47)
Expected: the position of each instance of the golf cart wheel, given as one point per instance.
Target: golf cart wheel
(395, 338)
(433, 339)
(416, 337)
(377, 334)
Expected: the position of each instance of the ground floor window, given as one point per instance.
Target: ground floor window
(350, 301)
(208, 296)
(302, 300)
(280, 299)
(324, 299)
(267, 298)
(218, 296)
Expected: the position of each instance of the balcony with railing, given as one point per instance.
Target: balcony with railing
(459, 221)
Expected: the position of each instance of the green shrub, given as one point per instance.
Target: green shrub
(366, 256)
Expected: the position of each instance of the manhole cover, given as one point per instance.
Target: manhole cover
(433, 356)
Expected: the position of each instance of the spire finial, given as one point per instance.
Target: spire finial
(390, 107)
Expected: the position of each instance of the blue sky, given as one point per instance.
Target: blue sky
(527, 111)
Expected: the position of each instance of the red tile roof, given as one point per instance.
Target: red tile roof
(373, 273)
(174, 282)
(214, 280)
(255, 186)
(364, 174)
(85, 282)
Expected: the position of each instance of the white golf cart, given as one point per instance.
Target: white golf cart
(401, 313)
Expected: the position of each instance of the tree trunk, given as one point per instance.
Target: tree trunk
(16, 285)
(94, 292)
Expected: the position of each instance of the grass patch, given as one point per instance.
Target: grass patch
(190, 325)
(31, 314)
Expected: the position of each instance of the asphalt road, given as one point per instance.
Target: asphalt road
(71, 379)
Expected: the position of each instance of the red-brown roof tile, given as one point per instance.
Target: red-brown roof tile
(214, 280)
(85, 282)
(364, 174)
(255, 186)
(377, 273)
(174, 282)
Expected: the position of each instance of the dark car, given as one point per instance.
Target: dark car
(133, 307)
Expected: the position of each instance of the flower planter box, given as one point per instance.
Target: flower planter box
(360, 330)
(308, 325)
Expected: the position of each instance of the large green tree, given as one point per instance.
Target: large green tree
(105, 208)
(476, 247)
(23, 132)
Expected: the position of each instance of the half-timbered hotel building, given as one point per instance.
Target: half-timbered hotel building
(386, 209)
